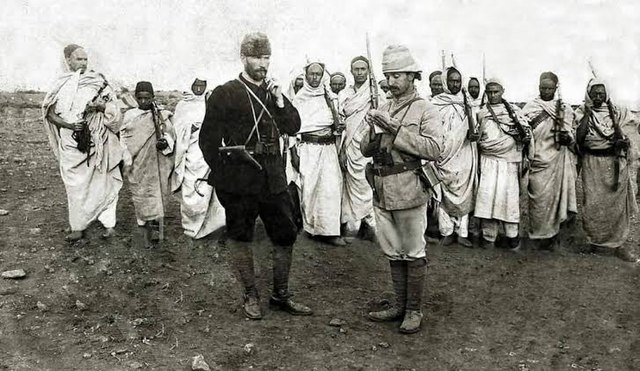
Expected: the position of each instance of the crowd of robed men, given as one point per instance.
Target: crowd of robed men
(343, 161)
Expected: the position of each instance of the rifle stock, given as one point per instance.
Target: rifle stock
(157, 118)
(558, 123)
(618, 137)
(83, 136)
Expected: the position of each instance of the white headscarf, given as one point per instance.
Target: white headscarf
(311, 103)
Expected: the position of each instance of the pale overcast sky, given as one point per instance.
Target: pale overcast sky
(170, 41)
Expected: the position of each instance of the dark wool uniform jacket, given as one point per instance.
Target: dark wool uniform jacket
(228, 121)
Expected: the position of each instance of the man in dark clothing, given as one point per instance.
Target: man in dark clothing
(239, 141)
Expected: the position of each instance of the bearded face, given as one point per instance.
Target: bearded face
(256, 66)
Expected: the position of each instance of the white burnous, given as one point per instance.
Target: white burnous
(81, 119)
(199, 206)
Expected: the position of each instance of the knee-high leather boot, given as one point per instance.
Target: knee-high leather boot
(416, 271)
(281, 297)
(242, 256)
(399, 279)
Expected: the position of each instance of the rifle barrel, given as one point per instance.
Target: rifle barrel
(373, 83)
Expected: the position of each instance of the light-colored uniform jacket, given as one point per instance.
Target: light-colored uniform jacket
(419, 138)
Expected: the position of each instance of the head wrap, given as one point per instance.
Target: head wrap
(324, 71)
(255, 44)
(359, 58)
(337, 74)
(397, 58)
(549, 75)
(291, 92)
(445, 74)
(187, 93)
(199, 80)
(480, 90)
(144, 86)
(495, 80)
(324, 82)
(593, 82)
(69, 49)
(434, 74)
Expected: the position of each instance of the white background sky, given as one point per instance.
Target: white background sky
(170, 41)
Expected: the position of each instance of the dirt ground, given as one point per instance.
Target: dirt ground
(114, 305)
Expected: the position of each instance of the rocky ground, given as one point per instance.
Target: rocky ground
(98, 305)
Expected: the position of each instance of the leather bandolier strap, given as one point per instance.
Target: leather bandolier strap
(538, 119)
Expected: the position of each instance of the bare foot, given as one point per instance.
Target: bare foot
(74, 236)
(109, 232)
(336, 241)
(625, 254)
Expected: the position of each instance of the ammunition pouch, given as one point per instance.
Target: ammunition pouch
(240, 154)
(382, 158)
(428, 176)
(265, 149)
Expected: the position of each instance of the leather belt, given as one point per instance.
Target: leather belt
(396, 169)
(609, 152)
(306, 138)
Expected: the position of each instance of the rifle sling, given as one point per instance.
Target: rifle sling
(495, 118)
(334, 114)
(406, 105)
(250, 95)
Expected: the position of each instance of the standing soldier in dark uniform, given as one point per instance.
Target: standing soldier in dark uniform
(239, 141)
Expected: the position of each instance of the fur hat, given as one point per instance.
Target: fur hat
(255, 44)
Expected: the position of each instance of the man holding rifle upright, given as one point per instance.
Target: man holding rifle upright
(148, 135)
(357, 197)
(552, 177)
(458, 165)
(239, 139)
(81, 119)
(606, 158)
(505, 137)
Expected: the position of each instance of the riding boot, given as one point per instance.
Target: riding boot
(281, 297)
(399, 279)
(416, 271)
(242, 257)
